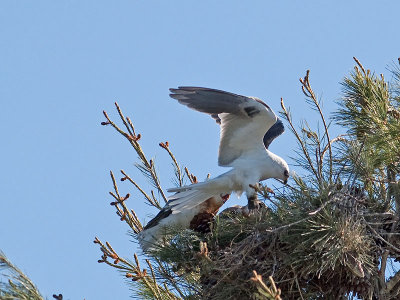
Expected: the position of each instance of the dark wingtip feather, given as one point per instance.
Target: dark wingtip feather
(192, 88)
(276, 130)
(164, 213)
(177, 96)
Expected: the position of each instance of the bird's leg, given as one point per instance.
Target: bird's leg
(253, 202)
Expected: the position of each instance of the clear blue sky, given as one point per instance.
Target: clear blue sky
(63, 62)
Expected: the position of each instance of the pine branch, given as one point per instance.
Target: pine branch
(392, 284)
(152, 201)
(192, 178)
(378, 236)
(264, 292)
(19, 286)
(147, 166)
(309, 93)
(287, 116)
(122, 210)
(160, 283)
(146, 284)
(178, 172)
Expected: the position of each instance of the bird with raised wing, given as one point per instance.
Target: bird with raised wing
(247, 128)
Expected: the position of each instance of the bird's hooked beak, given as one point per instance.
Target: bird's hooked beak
(286, 174)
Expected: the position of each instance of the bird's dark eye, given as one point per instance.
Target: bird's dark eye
(286, 173)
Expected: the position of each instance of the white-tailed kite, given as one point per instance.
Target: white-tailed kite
(248, 126)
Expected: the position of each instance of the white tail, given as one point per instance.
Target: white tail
(149, 238)
(183, 206)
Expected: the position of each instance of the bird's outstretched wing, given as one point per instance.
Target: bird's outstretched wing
(244, 120)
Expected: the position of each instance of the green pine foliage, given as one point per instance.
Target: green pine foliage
(369, 110)
(14, 284)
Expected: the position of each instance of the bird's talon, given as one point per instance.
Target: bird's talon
(256, 205)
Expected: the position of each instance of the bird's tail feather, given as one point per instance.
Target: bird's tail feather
(193, 186)
(188, 199)
(147, 239)
(183, 204)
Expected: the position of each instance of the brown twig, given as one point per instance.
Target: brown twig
(125, 213)
(307, 155)
(153, 202)
(308, 91)
(133, 139)
(192, 178)
(377, 235)
(134, 271)
(175, 162)
(269, 293)
(390, 285)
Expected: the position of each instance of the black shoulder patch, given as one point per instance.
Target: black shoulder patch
(251, 111)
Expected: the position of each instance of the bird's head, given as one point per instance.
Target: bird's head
(281, 168)
(284, 172)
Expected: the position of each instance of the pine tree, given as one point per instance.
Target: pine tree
(332, 233)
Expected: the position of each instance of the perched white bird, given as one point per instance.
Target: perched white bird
(248, 126)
